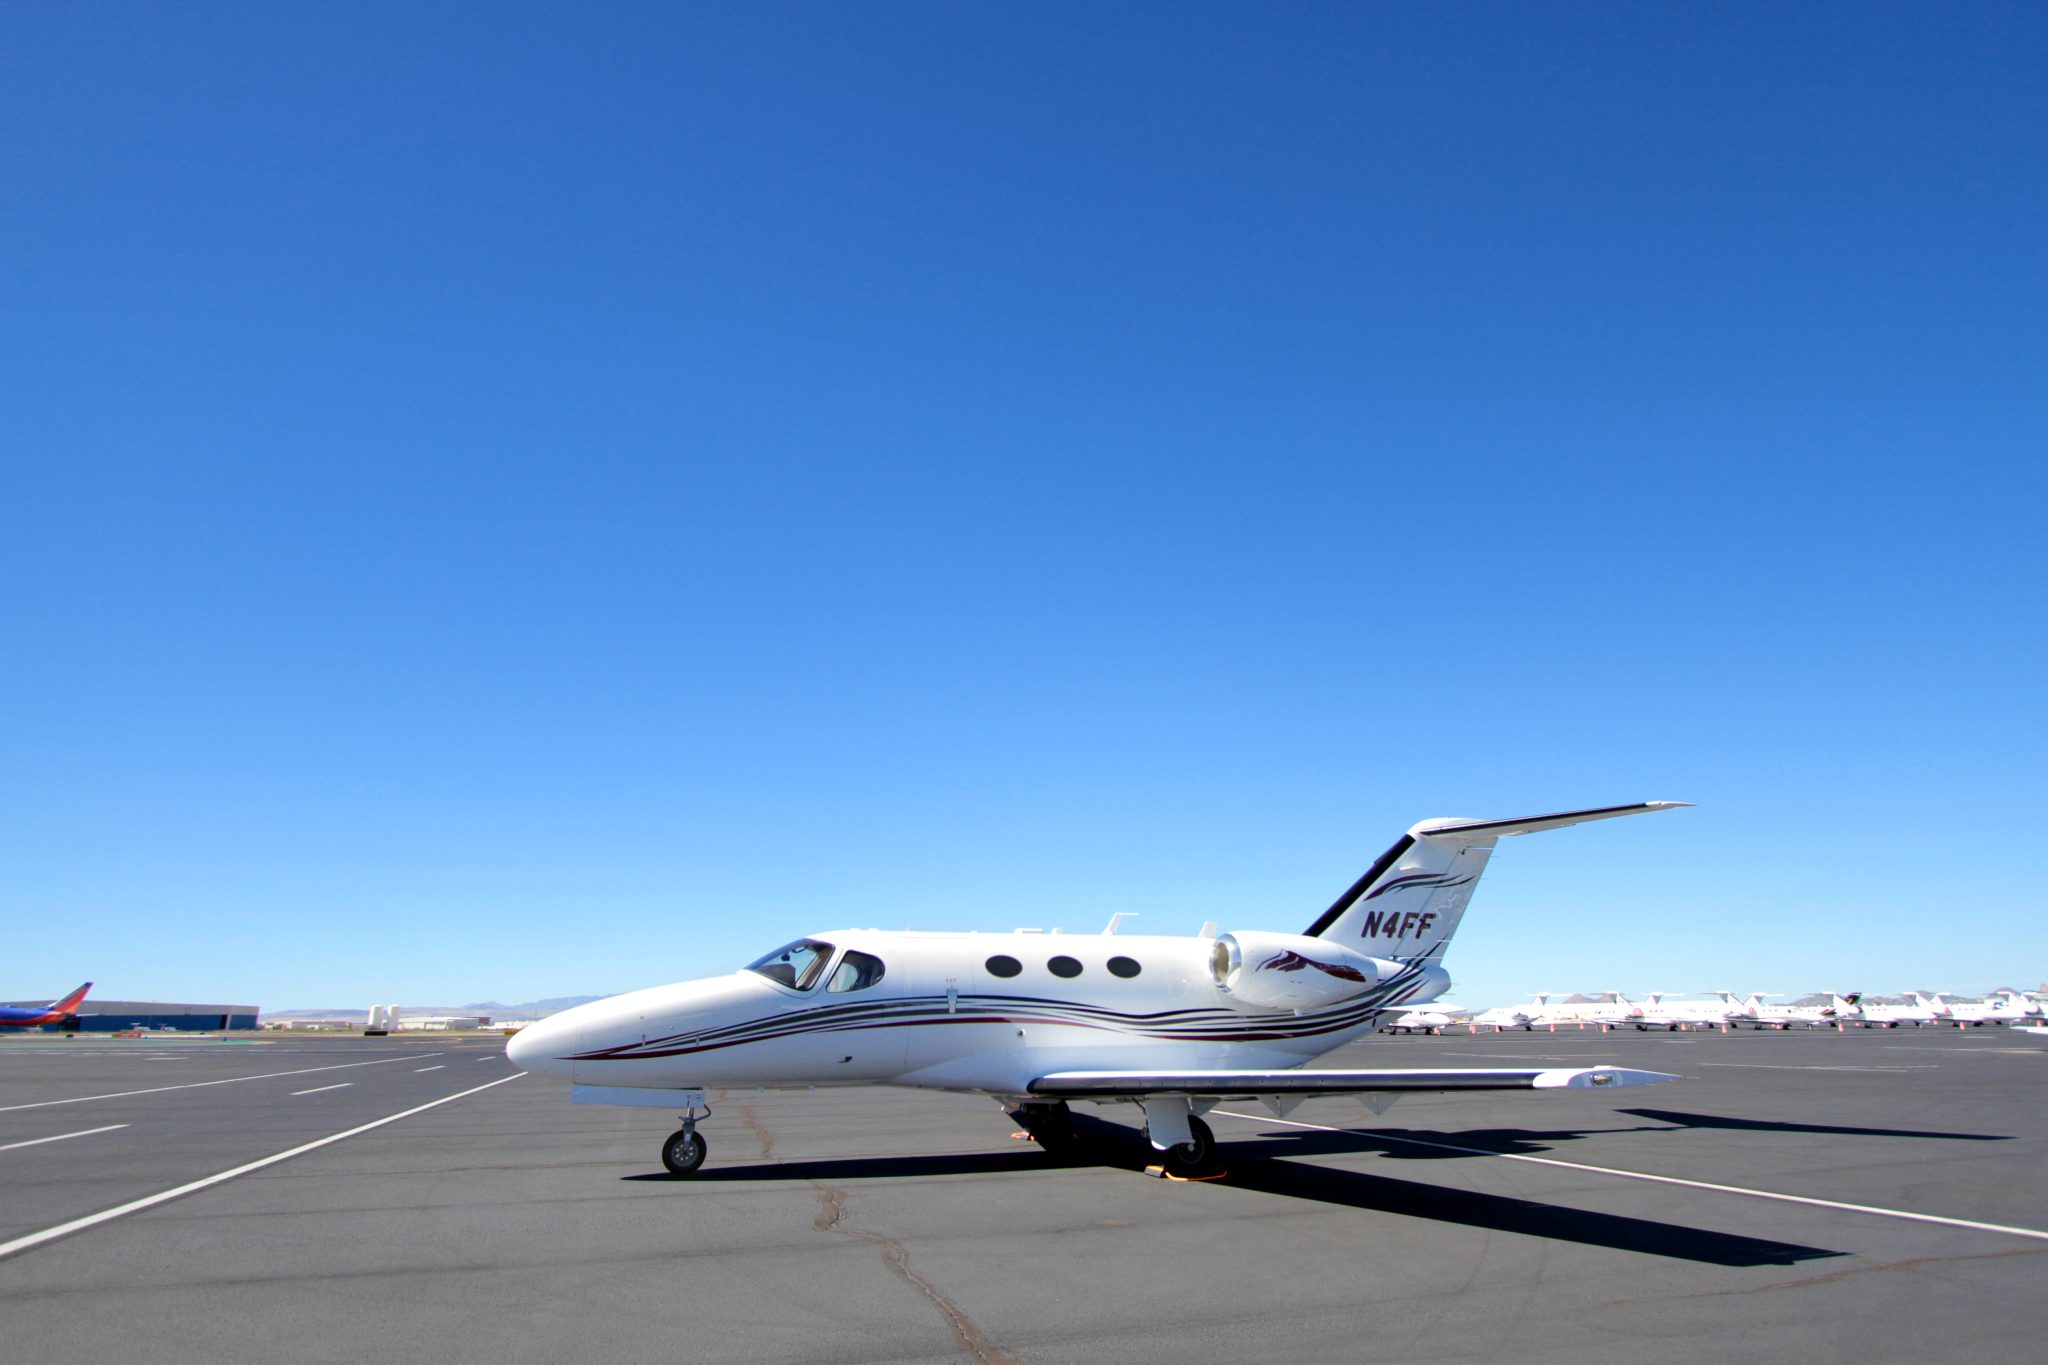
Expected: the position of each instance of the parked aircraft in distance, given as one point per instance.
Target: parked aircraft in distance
(1611, 1008)
(56, 1012)
(1510, 1016)
(1757, 1014)
(1174, 1025)
(1921, 1011)
(1656, 1011)
(2009, 1008)
(1545, 1010)
(1433, 1019)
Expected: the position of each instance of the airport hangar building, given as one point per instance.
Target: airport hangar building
(111, 1016)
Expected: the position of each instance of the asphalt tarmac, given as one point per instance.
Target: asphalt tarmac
(1873, 1194)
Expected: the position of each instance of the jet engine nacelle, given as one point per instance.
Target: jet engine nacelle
(1293, 971)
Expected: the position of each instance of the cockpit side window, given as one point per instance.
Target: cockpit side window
(795, 965)
(856, 972)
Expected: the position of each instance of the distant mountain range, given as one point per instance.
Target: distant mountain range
(532, 1009)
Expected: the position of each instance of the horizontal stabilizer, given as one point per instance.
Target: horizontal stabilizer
(1409, 902)
(1531, 824)
(1253, 1084)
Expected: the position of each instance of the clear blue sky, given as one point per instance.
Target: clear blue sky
(522, 500)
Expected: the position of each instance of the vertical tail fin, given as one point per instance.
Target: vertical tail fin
(69, 1004)
(1409, 903)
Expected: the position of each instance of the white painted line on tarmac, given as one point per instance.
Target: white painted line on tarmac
(194, 1085)
(1780, 1066)
(36, 1239)
(1967, 1052)
(37, 1142)
(435, 1067)
(1907, 1215)
(323, 1089)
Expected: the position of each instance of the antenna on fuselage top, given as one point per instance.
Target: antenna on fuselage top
(1118, 918)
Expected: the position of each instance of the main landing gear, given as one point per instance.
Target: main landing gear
(1195, 1157)
(686, 1148)
(1185, 1145)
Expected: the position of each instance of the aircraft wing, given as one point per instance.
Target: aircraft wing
(1081, 1085)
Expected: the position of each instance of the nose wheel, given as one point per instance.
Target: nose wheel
(684, 1152)
(686, 1148)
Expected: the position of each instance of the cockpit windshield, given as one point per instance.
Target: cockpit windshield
(795, 965)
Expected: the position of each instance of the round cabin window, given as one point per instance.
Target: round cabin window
(1002, 965)
(1124, 967)
(1064, 966)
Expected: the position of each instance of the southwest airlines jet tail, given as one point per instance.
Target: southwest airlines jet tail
(1408, 904)
(56, 1012)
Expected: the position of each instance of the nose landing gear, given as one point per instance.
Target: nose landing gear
(685, 1149)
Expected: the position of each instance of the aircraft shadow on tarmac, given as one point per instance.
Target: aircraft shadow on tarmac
(1502, 1213)
(1683, 1120)
(1262, 1166)
(1420, 1144)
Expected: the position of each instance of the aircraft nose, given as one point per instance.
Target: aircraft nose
(546, 1045)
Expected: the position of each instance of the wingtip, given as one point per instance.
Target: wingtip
(1600, 1078)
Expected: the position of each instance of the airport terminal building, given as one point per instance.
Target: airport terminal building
(113, 1016)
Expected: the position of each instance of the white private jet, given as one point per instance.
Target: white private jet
(1612, 1008)
(1757, 1014)
(1658, 1010)
(1545, 1010)
(2005, 1009)
(1434, 1019)
(1503, 1017)
(1173, 1025)
(1921, 1011)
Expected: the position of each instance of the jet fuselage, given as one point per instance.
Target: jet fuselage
(980, 1012)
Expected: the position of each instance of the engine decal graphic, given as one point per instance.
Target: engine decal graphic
(1293, 962)
(1421, 880)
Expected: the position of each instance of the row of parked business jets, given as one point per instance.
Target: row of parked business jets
(1724, 1010)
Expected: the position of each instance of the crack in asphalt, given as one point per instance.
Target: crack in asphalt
(831, 1217)
(761, 1135)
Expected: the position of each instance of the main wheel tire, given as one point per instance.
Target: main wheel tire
(1195, 1157)
(684, 1152)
